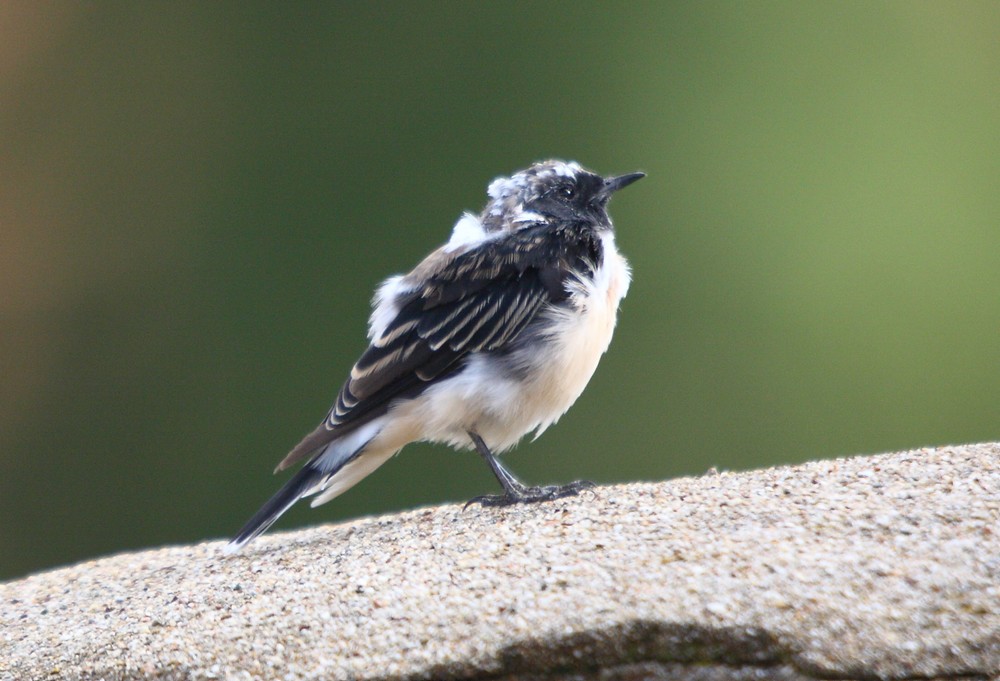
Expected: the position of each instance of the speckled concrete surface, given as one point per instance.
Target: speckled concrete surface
(875, 567)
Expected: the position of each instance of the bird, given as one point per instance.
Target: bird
(490, 337)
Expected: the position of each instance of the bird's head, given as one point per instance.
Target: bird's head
(551, 192)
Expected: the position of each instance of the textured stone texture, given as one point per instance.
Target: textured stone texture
(873, 567)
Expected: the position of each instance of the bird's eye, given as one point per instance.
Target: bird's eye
(567, 191)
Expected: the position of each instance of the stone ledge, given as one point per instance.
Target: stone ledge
(882, 567)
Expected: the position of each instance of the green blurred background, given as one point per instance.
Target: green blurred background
(197, 200)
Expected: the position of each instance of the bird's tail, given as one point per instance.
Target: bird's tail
(334, 468)
(301, 484)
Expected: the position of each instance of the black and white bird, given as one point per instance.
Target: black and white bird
(492, 336)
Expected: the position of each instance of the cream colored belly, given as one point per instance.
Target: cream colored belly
(579, 336)
(501, 405)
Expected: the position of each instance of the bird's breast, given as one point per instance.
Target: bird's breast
(504, 398)
(573, 337)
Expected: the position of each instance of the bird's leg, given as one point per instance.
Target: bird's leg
(516, 492)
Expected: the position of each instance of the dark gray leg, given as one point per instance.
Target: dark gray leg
(514, 491)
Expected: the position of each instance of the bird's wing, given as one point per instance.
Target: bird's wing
(477, 300)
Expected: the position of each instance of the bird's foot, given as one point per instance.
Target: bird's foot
(531, 495)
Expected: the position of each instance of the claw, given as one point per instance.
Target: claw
(531, 495)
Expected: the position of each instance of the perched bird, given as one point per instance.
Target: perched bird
(492, 336)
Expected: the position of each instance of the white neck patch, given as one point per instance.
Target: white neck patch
(467, 231)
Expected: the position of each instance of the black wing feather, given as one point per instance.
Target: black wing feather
(480, 300)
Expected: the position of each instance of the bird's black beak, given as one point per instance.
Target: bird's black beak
(613, 184)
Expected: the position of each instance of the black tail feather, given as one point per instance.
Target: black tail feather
(283, 500)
